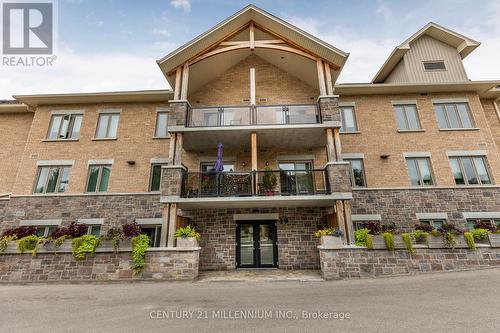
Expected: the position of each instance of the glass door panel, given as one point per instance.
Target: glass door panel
(266, 245)
(246, 243)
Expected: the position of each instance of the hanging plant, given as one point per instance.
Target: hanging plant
(139, 246)
(83, 245)
(389, 240)
(469, 237)
(408, 243)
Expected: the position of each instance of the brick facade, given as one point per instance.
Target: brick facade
(296, 243)
(103, 266)
(401, 206)
(360, 263)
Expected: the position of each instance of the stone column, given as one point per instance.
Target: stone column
(339, 178)
(329, 108)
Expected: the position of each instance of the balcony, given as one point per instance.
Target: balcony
(253, 115)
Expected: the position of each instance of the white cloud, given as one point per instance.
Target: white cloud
(161, 32)
(76, 72)
(183, 4)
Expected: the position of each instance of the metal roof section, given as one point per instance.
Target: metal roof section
(463, 44)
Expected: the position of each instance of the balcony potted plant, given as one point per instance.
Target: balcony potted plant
(187, 237)
(331, 238)
(269, 181)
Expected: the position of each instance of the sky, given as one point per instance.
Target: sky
(113, 45)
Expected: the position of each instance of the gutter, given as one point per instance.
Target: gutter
(495, 104)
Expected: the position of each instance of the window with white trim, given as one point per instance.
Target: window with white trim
(407, 117)
(357, 172)
(472, 223)
(435, 223)
(453, 115)
(348, 119)
(161, 130)
(98, 178)
(52, 179)
(153, 232)
(107, 126)
(65, 126)
(419, 170)
(155, 177)
(45, 231)
(470, 170)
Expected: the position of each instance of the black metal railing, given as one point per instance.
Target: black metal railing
(255, 183)
(253, 115)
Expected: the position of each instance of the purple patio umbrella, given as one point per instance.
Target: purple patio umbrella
(218, 164)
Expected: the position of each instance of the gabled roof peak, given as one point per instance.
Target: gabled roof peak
(464, 46)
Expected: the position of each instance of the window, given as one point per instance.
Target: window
(161, 124)
(210, 167)
(470, 170)
(153, 232)
(407, 117)
(453, 115)
(436, 224)
(98, 178)
(357, 173)
(472, 223)
(107, 126)
(53, 179)
(45, 231)
(155, 179)
(348, 119)
(419, 170)
(94, 230)
(434, 66)
(65, 126)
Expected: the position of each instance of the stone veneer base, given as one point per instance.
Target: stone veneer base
(161, 264)
(362, 263)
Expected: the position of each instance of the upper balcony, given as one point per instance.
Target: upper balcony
(283, 126)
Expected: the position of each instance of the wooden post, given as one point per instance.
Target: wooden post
(252, 36)
(252, 87)
(253, 144)
(178, 78)
(178, 149)
(164, 225)
(339, 209)
(171, 148)
(348, 222)
(329, 83)
(321, 77)
(185, 80)
(172, 224)
(338, 148)
(330, 145)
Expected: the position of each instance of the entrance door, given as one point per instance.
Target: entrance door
(256, 244)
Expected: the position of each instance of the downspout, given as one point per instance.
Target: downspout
(495, 104)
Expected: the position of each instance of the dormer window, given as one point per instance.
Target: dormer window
(434, 65)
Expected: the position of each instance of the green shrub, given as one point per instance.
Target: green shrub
(83, 245)
(480, 234)
(187, 232)
(389, 240)
(59, 241)
(29, 244)
(369, 241)
(4, 242)
(407, 239)
(469, 237)
(360, 236)
(420, 236)
(450, 240)
(139, 246)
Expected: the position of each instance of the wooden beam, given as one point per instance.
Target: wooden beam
(178, 78)
(348, 222)
(329, 82)
(321, 77)
(253, 140)
(338, 147)
(239, 42)
(252, 36)
(171, 148)
(219, 51)
(339, 212)
(286, 48)
(164, 225)
(330, 145)
(253, 99)
(185, 81)
(172, 223)
(271, 41)
(178, 149)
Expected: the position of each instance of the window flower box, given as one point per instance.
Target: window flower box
(399, 242)
(494, 240)
(331, 242)
(378, 242)
(187, 242)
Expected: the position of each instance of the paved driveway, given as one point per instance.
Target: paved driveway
(447, 302)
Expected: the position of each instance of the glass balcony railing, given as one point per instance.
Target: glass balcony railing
(257, 115)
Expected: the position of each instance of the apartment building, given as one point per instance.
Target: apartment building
(299, 151)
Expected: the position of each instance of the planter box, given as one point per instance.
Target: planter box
(378, 242)
(108, 245)
(398, 242)
(50, 247)
(494, 240)
(187, 242)
(12, 247)
(331, 242)
(438, 242)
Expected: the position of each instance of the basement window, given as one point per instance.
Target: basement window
(434, 66)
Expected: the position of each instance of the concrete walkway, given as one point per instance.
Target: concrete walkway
(260, 275)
